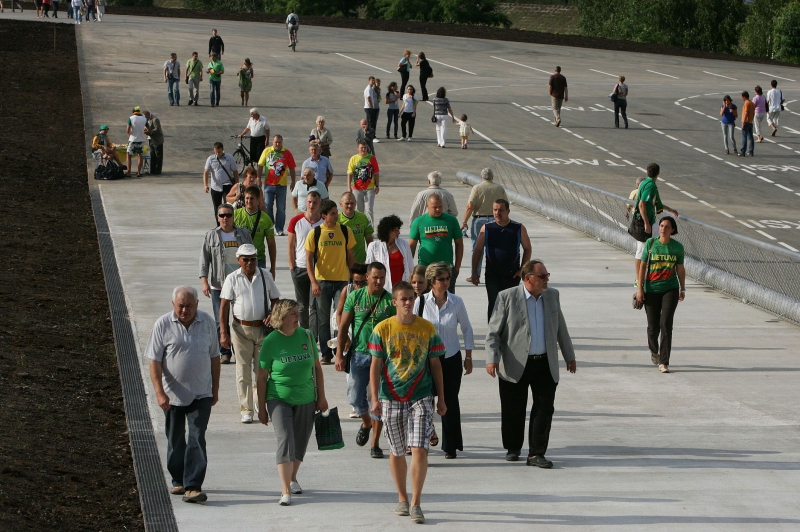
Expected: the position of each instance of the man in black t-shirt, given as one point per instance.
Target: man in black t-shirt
(558, 93)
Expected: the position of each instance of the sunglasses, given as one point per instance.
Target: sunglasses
(442, 279)
(543, 276)
(248, 259)
(225, 215)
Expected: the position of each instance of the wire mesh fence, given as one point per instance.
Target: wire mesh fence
(755, 272)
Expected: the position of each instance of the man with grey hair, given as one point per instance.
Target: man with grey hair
(172, 77)
(218, 260)
(258, 127)
(480, 208)
(251, 292)
(419, 206)
(153, 130)
(184, 369)
(367, 135)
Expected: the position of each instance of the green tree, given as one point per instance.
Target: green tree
(482, 12)
(787, 33)
(756, 35)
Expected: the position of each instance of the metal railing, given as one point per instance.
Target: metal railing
(755, 272)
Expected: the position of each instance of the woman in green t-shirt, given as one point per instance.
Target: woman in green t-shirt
(291, 388)
(662, 284)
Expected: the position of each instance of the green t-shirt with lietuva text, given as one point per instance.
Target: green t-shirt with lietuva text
(290, 361)
(435, 237)
(662, 276)
(359, 303)
(360, 226)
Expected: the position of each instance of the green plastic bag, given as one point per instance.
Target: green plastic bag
(328, 430)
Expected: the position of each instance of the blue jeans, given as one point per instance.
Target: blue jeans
(358, 386)
(276, 194)
(187, 460)
(76, 12)
(174, 90)
(330, 293)
(392, 114)
(215, 300)
(215, 85)
(728, 132)
(747, 135)
(477, 223)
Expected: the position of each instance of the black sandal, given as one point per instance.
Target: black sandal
(434, 439)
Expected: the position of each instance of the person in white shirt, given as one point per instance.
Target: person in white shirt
(220, 170)
(251, 292)
(308, 183)
(299, 227)
(258, 127)
(775, 102)
(293, 24)
(447, 313)
(371, 106)
(172, 77)
(136, 139)
(420, 204)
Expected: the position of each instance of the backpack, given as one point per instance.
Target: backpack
(318, 233)
(108, 172)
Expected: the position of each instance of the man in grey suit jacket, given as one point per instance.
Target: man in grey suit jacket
(525, 331)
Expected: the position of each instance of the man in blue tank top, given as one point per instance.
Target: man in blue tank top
(500, 241)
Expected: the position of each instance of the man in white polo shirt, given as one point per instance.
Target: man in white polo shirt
(136, 139)
(258, 127)
(299, 227)
(184, 369)
(251, 292)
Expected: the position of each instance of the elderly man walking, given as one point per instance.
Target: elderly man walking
(480, 208)
(420, 204)
(438, 233)
(156, 134)
(502, 240)
(218, 260)
(251, 292)
(321, 164)
(221, 169)
(526, 331)
(258, 127)
(184, 369)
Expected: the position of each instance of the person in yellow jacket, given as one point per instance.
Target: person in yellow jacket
(101, 143)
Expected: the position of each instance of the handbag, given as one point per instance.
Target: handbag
(348, 357)
(433, 118)
(328, 430)
(636, 227)
(637, 305)
(614, 95)
(268, 329)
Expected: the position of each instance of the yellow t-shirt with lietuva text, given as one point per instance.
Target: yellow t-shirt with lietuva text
(332, 255)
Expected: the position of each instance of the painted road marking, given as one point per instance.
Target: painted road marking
(725, 214)
(706, 204)
(520, 64)
(701, 151)
(684, 192)
(685, 143)
(774, 76)
(732, 164)
(659, 132)
(757, 224)
(628, 162)
(601, 72)
(451, 66)
(671, 137)
(715, 157)
(783, 187)
(363, 63)
(787, 246)
(745, 224)
(766, 234)
(718, 75)
(662, 74)
(765, 179)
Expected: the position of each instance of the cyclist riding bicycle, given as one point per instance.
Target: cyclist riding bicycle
(293, 25)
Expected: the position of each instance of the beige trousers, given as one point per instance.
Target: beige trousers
(556, 107)
(247, 348)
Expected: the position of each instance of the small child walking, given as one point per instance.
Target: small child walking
(464, 129)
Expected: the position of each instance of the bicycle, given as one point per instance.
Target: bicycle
(293, 36)
(242, 154)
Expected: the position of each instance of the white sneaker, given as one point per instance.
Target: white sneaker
(376, 141)
(247, 418)
(295, 488)
(408, 139)
(353, 415)
(663, 368)
(286, 500)
(402, 138)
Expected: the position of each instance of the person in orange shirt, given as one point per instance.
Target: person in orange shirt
(748, 113)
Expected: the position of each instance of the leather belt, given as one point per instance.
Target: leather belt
(537, 357)
(248, 323)
(483, 215)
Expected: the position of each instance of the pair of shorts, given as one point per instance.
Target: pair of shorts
(408, 424)
(135, 148)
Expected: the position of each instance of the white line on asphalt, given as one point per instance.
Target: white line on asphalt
(748, 171)
(718, 75)
(601, 148)
(732, 164)
(671, 185)
(684, 192)
(764, 179)
(757, 224)
(725, 214)
(451, 66)
(671, 137)
(578, 136)
(520, 64)
(787, 246)
(785, 146)
(685, 143)
(700, 112)
(707, 204)
(659, 132)
(678, 102)
(715, 157)
(487, 87)
(520, 159)
(689, 108)
(710, 94)
(662, 74)
(601, 72)
(642, 169)
(766, 234)
(790, 130)
(614, 155)
(701, 151)
(544, 118)
(628, 162)
(745, 224)
(645, 125)
(631, 119)
(695, 96)
(363, 63)
(783, 187)
(774, 76)
(589, 142)
(535, 114)
(518, 105)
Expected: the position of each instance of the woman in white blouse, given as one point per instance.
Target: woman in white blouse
(447, 312)
(391, 251)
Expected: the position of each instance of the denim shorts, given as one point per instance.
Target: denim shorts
(358, 385)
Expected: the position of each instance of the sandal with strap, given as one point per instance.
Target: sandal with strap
(434, 439)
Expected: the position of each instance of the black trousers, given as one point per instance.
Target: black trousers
(495, 284)
(372, 118)
(410, 119)
(156, 158)
(452, 370)
(660, 308)
(423, 88)
(620, 105)
(302, 292)
(257, 145)
(218, 198)
(514, 399)
(404, 81)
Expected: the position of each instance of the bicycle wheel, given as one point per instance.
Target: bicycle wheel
(240, 159)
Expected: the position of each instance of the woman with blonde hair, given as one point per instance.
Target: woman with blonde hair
(291, 389)
(323, 136)
(249, 179)
(404, 67)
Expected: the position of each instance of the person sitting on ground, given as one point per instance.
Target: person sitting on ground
(101, 143)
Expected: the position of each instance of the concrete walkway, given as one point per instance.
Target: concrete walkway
(712, 446)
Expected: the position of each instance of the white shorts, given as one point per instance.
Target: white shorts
(639, 249)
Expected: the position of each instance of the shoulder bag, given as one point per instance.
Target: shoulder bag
(268, 329)
(433, 118)
(225, 170)
(348, 357)
(614, 94)
(637, 305)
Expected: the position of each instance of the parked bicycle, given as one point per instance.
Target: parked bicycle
(242, 154)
